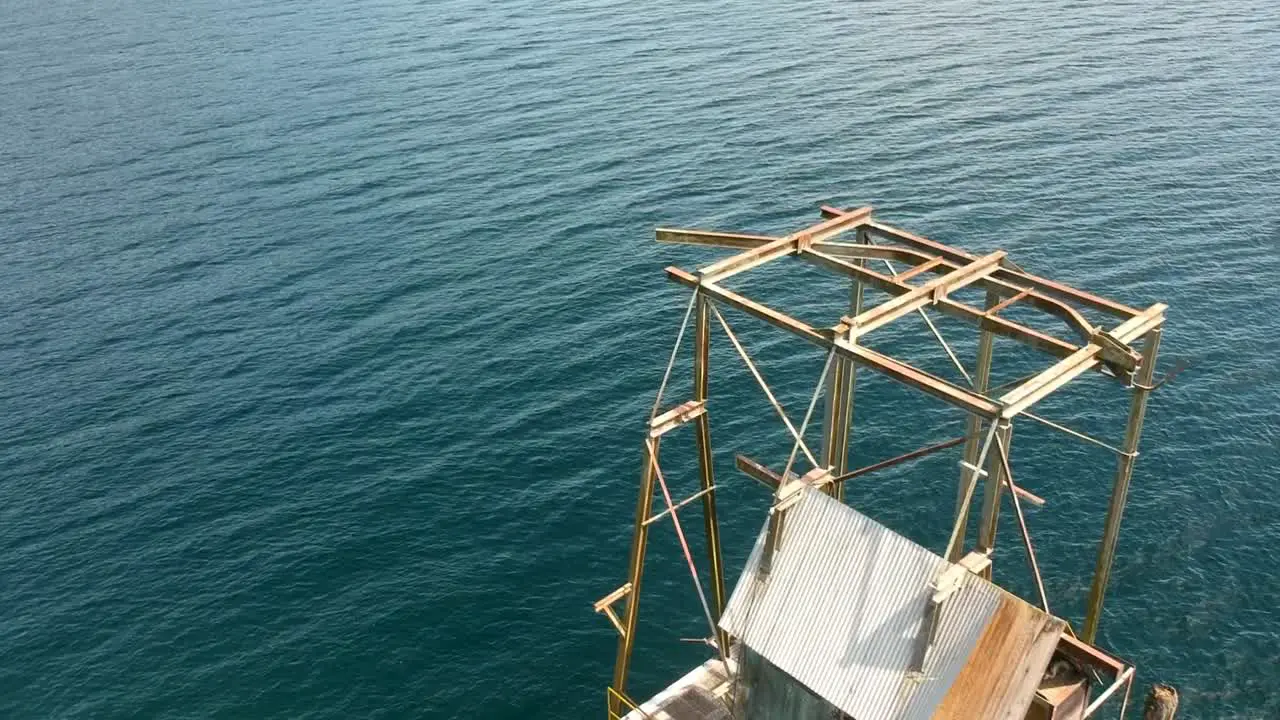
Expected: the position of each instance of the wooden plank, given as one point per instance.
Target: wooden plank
(712, 238)
(954, 254)
(1005, 666)
(931, 384)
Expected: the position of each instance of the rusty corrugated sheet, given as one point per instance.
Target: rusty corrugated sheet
(844, 602)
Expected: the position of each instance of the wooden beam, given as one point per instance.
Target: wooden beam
(926, 294)
(899, 459)
(759, 471)
(1007, 302)
(635, 571)
(921, 380)
(743, 261)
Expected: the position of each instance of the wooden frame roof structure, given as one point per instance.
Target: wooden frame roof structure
(849, 243)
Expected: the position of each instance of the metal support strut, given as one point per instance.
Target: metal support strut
(1120, 489)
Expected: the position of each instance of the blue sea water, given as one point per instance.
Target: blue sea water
(328, 330)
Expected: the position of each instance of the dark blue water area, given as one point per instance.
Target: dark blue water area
(329, 330)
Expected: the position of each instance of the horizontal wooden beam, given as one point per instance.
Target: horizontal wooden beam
(1044, 285)
(931, 384)
(747, 259)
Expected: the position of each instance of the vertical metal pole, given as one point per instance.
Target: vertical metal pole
(1120, 489)
(973, 428)
(840, 391)
(991, 493)
(701, 365)
(639, 539)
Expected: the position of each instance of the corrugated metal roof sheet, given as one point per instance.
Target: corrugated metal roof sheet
(842, 606)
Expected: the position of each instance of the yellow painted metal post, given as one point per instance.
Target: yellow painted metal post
(991, 493)
(973, 428)
(1120, 489)
(701, 367)
(840, 390)
(639, 540)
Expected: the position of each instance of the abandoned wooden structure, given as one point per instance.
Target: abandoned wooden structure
(921, 276)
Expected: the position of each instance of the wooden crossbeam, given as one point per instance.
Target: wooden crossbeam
(928, 293)
(1079, 362)
(931, 384)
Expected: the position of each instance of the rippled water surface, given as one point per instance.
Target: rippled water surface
(328, 329)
